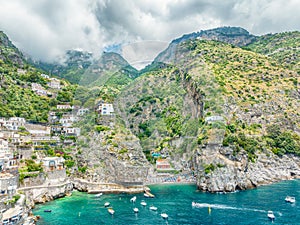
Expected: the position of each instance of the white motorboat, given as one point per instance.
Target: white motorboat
(133, 199)
(98, 195)
(153, 208)
(146, 195)
(290, 199)
(271, 215)
(106, 204)
(111, 211)
(135, 210)
(143, 203)
(164, 215)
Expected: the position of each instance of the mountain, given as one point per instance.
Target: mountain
(17, 78)
(215, 106)
(221, 103)
(283, 47)
(71, 66)
(232, 35)
(80, 67)
(9, 53)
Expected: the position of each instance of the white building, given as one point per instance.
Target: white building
(8, 184)
(14, 123)
(105, 109)
(45, 76)
(39, 89)
(54, 83)
(72, 131)
(38, 130)
(53, 163)
(68, 120)
(67, 106)
(211, 119)
(82, 111)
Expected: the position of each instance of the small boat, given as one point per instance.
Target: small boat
(164, 215)
(133, 199)
(111, 211)
(47, 210)
(98, 195)
(143, 203)
(147, 194)
(106, 204)
(290, 199)
(135, 210)
(271, 215)
(153, 208)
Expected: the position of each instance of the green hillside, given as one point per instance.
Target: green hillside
(252, 94)
(16, 95)
(283, 47)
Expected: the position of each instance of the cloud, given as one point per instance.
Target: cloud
(46, 28)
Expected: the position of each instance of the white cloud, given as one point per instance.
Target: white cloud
(46, 28)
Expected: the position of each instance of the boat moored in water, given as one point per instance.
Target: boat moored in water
(290, 199)
(153, 208)
(135, 210)
(98, 195)
(164, 215)
(111, 211)
(47, 210)
(143, 203)
(271, 215)
(147, 194)
(106, 204)
(133, 199)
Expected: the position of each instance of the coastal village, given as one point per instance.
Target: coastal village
(23, 162)
(221, 117)
(24, 165)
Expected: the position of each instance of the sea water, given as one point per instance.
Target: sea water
(239, 208)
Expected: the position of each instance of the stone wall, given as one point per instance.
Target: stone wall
(34, 181)
(94, 187)
(45, 178)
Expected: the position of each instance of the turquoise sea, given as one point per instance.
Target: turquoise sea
(240, 208)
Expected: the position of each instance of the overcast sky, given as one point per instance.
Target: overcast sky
(46, 28)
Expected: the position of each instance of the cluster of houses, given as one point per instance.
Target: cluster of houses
(53, 83)
(20, 138)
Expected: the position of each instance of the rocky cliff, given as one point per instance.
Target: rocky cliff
(219, 171)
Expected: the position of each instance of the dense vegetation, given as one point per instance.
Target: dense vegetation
(166, 105)
(283, 47)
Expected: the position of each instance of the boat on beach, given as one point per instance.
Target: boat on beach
(290, 199)
(271, 215)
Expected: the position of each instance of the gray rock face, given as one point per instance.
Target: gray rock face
(229, 173)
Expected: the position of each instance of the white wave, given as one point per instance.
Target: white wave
(219, 206)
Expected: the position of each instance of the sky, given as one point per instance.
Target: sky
(45, 29)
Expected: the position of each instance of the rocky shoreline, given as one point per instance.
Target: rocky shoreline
(230, 178)
(218, 170)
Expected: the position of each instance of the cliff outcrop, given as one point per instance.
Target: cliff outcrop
(217, 170)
